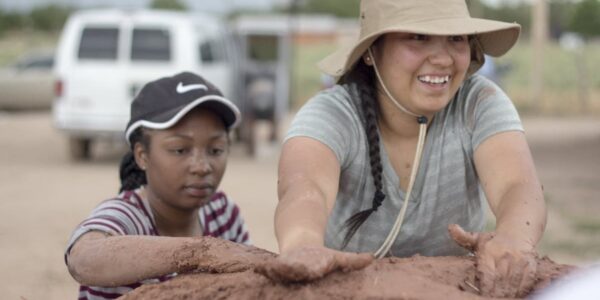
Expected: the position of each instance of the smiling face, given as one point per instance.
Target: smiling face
(423, 72)
(184, 164)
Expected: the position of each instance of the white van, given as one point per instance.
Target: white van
(105, 56)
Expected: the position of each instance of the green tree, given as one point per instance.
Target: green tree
(519, 12)
(561, 12)
(168, 4)
(586, 18)
(342, 9)
(49, 18)
(10, 20)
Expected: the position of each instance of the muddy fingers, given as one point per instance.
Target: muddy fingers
(528, 279)
(351, 261)
(505, 267)
(311, 263)
(513, 278)
(465, 239)
(486, 275)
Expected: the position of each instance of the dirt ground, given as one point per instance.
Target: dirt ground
(43, 196)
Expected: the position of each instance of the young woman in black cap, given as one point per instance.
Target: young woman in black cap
(169, 205)
(402, 147)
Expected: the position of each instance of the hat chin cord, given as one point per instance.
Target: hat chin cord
(422, 120)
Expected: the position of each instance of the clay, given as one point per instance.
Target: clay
(417, 277)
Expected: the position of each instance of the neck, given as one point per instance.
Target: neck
(394, 122)
(171, 221)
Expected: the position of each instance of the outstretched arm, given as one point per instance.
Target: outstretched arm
(308, 181)
(505, 258)
(511, 185)
(97, 259)
(307, 186)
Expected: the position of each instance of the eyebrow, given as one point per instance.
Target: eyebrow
(187, 137)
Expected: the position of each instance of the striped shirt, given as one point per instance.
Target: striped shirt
(130, 214)
(446, 189)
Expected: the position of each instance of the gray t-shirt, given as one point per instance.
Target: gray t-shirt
(446, 189)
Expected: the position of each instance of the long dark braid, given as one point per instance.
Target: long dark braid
(364, 78)
(130, 173)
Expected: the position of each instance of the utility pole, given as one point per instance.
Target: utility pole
(539, 38)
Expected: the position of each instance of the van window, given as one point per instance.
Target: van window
(211, 51)
(99, 43)
(151, 44)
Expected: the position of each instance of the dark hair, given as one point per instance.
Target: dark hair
(477, 55)
(130, 173)
(364, 78)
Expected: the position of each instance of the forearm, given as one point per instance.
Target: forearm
(508, 177)
(300, 220)
(120, 260)
(307, 187)
(521, 214)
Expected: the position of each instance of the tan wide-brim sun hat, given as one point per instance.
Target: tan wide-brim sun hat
(431, 17)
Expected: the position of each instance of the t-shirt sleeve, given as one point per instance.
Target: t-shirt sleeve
(331, 119)
(491, 111)
(113, 217)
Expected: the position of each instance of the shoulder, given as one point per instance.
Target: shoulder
(477, 95)
(336, 98)
(132, 200)
(478, 87)
(332, 117)
(336, 92)
(125, 214)
(484, 109)
(335, 108)
(129, 207)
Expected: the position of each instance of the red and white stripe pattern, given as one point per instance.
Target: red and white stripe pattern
(130, 214)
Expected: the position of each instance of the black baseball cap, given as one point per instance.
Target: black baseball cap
(160, 104)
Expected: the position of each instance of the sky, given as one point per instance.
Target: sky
(200, 5)
(203, 5)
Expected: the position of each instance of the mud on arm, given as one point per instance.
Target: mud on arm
(97, 259)
(506, 257)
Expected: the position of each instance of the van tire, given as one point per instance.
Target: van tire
(80, 148)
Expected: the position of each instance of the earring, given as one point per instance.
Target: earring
(368, 60)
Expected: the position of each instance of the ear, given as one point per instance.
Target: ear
(141, 156)
(368, 60)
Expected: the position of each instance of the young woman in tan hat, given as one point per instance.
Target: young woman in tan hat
(406, 144)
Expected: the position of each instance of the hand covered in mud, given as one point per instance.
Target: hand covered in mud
(208, 254)
(505, 268)
(311, 263)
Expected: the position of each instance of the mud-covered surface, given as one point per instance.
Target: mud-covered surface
(412, 278)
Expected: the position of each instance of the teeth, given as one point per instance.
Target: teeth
(434, 79)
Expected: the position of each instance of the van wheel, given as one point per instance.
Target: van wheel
(80, 148)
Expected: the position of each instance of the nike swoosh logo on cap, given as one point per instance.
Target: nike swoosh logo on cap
(186, 88)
